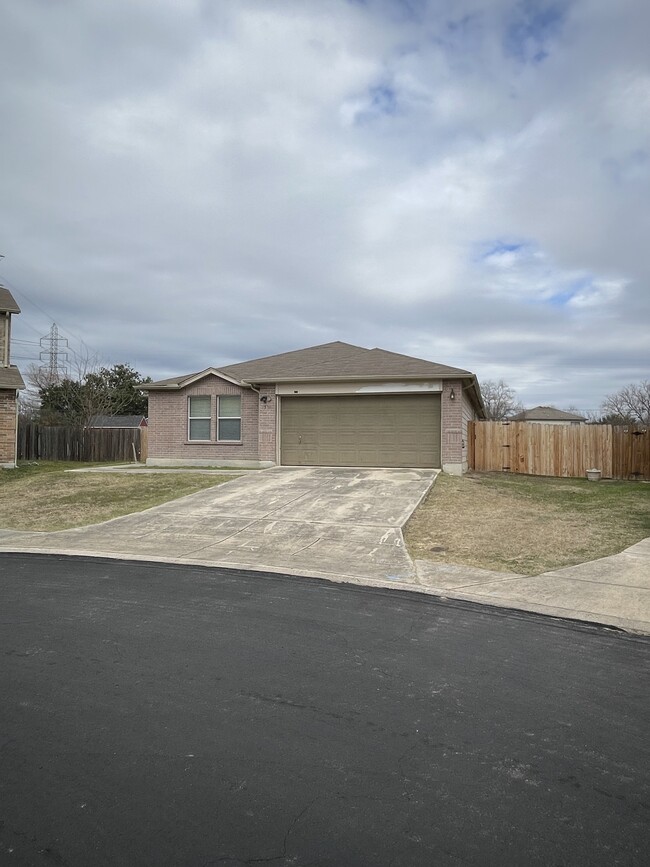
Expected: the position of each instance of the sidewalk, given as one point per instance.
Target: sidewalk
(614, 590)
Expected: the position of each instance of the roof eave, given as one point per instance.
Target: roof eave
(393, 377)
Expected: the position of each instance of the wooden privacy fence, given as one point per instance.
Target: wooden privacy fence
(618, 451)
(37, 442)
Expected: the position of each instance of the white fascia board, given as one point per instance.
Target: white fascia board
(422, 386)
(211, 371)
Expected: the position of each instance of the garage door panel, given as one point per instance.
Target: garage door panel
(374, 430)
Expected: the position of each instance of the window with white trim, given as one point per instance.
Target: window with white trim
(229, 418)
(199, 417)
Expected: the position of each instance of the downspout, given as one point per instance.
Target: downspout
(16, 442)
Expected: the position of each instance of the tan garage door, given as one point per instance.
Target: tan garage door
(400, 430)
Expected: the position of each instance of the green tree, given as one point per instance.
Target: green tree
(120, 387)
(107, 391)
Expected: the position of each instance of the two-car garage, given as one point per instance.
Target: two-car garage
(379, 430)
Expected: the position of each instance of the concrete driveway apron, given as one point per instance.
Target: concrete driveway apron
(313, 521)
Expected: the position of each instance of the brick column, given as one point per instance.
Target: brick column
(267, 430)
(8, 421)
(452, 426)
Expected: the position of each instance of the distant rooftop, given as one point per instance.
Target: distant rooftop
(547, 413)
(118, 421)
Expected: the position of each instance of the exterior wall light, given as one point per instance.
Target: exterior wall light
(452, 394)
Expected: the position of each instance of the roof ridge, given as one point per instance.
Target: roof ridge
(293, 351)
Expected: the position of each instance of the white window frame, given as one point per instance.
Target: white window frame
(228, 418)
(191, 418)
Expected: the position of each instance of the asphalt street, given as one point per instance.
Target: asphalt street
(176, 715)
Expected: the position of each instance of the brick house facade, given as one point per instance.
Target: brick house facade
(330, 405)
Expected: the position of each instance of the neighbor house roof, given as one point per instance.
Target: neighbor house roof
(328, 361)
(547, 413)
(118, 421)
(7, 302)
(10, 378)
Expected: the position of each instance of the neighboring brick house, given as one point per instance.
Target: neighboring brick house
(10, 382)
(329, 405)
(548, 415)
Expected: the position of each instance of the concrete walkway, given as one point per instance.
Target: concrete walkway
(613, 590)
(346, 525)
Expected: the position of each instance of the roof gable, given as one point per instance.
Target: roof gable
(176, 382)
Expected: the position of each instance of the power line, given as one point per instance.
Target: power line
(24, 295)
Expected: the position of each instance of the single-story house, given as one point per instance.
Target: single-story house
(118, 421)
(10, 383)
(548, 415)
(328, 405)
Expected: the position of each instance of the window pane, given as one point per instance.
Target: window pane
(200, 429)
(200, 407)
(229, 429)
(230, 407)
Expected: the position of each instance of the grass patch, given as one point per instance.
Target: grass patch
(42, 496)
(527, 524)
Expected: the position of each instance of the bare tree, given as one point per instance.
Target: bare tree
(500, 400)
(28, 406)
(572, 408)
(88, 391)
(629, 404)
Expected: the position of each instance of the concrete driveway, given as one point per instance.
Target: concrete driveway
(344, 523)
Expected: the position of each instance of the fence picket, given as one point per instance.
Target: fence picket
(619, 452)
(38, 442)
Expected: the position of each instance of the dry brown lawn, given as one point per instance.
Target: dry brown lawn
(527, 524)
(44, 497)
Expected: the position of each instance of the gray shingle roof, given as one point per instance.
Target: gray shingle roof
(116, 421)
(10, 377)
(335, 360)
(7, 301)
(547, 413)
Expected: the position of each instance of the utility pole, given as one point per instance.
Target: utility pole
(54, 354)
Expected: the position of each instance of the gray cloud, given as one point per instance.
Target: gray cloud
(187, 184)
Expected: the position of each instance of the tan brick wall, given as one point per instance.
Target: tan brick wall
(469, 414)
(7, 427)
(452, 422)
(168, 435)
(268, 415)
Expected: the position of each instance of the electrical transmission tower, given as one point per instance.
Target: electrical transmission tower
(54, 354)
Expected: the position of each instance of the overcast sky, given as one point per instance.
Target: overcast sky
(188, 183)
